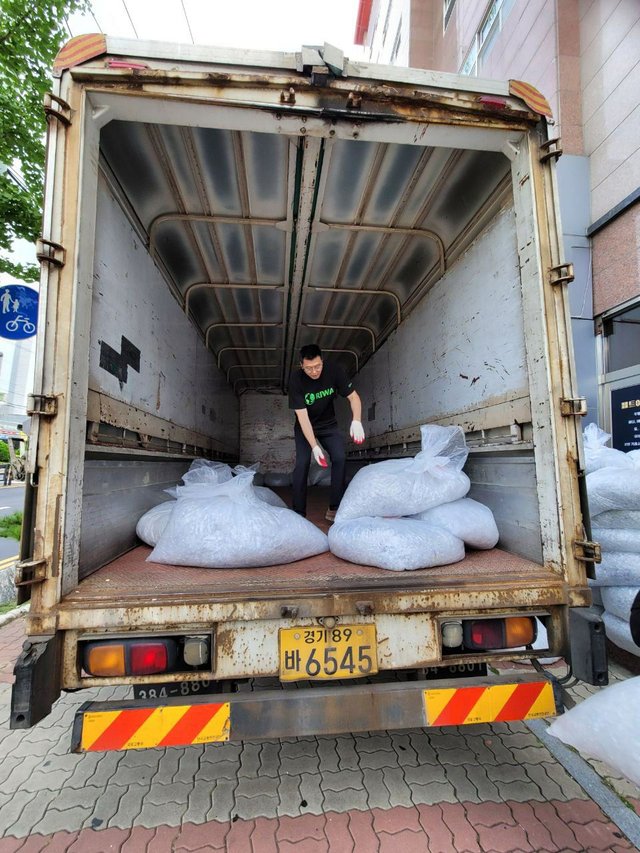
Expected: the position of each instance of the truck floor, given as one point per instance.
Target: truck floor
(131, 579)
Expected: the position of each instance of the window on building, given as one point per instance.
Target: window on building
(622, 336)
(448, 9)
(386, 22)
(396, 43)
(485, 37)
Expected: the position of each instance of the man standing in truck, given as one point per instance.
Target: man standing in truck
(311, 393)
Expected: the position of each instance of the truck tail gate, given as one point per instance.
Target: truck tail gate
(101, 726)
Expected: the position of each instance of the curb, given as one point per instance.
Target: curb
(14, 614)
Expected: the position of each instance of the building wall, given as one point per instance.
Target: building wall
(584, 56)
(389, 32)
(610, 66)
(616, 261)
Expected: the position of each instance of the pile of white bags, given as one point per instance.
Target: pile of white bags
(400, 487)
(605, 726)
(202, 475)
(470, 520)
(597, 454)
(405, 514)
(152, 524)
(394, 543)
(227, 526)
(613, 486)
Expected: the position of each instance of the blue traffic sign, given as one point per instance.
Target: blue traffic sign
(18, 312)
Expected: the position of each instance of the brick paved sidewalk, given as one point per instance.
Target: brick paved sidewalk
(474, 788)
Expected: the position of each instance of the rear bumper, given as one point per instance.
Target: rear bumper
(101, 726)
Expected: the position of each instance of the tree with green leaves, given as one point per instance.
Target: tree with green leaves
(31, 33)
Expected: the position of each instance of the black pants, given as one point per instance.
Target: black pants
(330, 439)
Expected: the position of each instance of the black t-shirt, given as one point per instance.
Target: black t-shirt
(317, 395)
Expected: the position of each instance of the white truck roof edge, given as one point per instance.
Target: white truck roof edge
(290, 61)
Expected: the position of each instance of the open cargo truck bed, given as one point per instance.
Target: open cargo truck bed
(130, 577)
(208, 212)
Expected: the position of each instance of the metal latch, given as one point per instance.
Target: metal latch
(30, 572)
(561, 273)
(50, 253)
(552, 149)
(588, 552)
(288, 97)
(42, 404)
(573, 406)
(57, 108)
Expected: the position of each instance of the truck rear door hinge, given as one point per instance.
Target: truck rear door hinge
(553, 149)
(561, 273)
(42, 404)
(29, 572)
(573, 406)
(57, 108)
(586, 551)
(50, 253)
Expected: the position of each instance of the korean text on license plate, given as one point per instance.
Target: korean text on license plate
(346, 651)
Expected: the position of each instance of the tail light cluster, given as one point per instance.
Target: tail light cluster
(477, 635)
(145, 656)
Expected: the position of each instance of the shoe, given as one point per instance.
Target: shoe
(330, 515)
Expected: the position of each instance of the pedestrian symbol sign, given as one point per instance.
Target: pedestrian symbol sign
(18, 312)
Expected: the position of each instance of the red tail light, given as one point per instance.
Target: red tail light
(147, 658)
(129, 657)
(484, 634)
(509, 633)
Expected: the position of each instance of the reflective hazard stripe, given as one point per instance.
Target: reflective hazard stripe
(492, 704)
(531, 96)
(79, 49)
(167, 725)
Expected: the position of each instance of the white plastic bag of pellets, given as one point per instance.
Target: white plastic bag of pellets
(597, 454)
(605, 726)
(618, 519)
(467, 519)
(617, 569)
(265, 494)
(205, 471)
(151, 525)
(618, 539)
(619, 632)
(618, 600)
(402, 487)
(227, 526)
(613, 488)
(398, 544)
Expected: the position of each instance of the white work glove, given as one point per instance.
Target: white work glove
(318, 455)
(357, 432)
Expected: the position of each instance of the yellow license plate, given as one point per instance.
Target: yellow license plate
(346, 651)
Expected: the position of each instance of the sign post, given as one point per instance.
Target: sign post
(18, 312)
(625, 418)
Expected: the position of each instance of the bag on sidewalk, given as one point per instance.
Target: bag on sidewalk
(618, 539)
(613, 488)
(597, 454)
(605, 726)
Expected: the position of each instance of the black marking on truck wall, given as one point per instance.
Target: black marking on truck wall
(118, 363)
(371, 413)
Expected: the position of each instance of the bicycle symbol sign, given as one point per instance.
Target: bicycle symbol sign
(18, 311)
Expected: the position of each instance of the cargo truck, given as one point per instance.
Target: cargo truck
(208, 211)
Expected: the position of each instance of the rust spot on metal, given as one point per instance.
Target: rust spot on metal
(225, 642)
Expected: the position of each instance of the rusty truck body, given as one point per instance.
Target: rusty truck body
(208, 211)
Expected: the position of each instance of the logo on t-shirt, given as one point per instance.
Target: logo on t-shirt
(310, 398)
